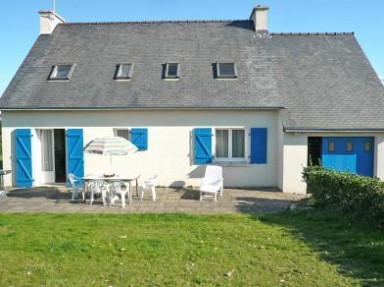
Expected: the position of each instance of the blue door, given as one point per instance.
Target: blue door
(349, 154)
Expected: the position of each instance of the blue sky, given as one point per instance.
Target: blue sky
(19, 22)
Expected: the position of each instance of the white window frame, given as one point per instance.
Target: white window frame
(229, 159)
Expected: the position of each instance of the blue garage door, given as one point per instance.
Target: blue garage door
(349, 154)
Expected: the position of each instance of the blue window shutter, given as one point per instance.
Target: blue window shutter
(203, 145)
(75, 155)
(259, 145)
(23, 145)
(139, 137)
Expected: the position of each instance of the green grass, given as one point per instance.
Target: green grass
(288, 249)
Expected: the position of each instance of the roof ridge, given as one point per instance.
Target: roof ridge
(315, 34)
(152, 22)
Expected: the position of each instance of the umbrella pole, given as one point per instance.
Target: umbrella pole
(110, 163)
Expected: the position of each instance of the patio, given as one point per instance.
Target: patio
(57, 199)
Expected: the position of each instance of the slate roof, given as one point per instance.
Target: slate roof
(323, 81)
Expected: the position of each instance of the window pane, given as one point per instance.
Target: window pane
(367, 146)
(172, 70)
(349, 146)
(227, 69)
(123, 134)
(331, 146)
(238, 143)
(61, 72)
(221, 143)
(124, 71)
(46, 150)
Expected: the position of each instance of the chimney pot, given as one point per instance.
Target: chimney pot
(48, 21)
(260, 18)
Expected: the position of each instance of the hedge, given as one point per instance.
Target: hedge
(359, 196)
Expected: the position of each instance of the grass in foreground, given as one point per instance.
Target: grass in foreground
(288, 249)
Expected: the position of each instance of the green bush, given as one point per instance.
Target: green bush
(358, 196)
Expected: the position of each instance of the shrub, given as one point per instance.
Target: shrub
(359, 196)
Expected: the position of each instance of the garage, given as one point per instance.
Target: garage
(348, 154)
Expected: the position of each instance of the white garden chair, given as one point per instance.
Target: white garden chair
(120, 188)
(77, 186)
(149, 184)
(213, 182)
(99, 187)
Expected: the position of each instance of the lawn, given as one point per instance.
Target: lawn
(287, 249)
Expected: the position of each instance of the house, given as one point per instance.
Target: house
(190, 93)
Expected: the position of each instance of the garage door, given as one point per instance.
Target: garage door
(348, 154)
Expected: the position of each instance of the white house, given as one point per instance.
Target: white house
(191, 93)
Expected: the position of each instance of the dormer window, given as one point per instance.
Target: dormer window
(172, 71)
(124, 71)
(61, 72)
(226, 70)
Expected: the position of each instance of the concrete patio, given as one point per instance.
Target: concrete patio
(57, 199)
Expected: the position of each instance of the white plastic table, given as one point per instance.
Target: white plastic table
(127, 178)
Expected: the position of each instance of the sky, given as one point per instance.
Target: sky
(19, 20)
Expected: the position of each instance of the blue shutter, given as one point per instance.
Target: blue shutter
(75, 156)
(258, 145)
(139, 137)
(203, 145)
(23, 144)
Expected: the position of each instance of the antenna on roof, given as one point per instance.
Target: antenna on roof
(54, 6)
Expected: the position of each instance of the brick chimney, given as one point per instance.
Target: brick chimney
(48, 21)
(259, 17)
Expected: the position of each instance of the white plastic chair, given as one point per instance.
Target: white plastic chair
(76, 186)
(98, 187)
(149, 184)
(121, 189)
(213, 182)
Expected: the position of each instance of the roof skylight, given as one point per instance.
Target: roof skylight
(226, 70)
(61, 72)
(124, 71)
(172, 71)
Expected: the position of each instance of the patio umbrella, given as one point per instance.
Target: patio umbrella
(110, 146)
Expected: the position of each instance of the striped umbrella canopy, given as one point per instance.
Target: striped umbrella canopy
(110, 146)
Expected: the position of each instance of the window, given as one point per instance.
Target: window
(124, 133)
(172, 70)
(46, 138)
(367, 146)
(222, 137)
(226, 70)
(124, 71)
(349, 146)
(331, 146)
(61, 72)
(230, 143)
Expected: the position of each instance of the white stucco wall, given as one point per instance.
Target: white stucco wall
(294, 159)
(280, 153)
(379, 158)
(169, 142)
(170, 145)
